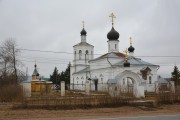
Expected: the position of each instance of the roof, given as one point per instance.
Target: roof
(110, 55)
(135, 61)
(35, 72)
(83, 44)
(132, 60)
(87, 69)
(46, 79)
(162, 80)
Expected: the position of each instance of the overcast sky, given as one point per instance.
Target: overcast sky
(55, 25)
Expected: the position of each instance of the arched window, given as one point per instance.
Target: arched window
(74, 54)
(80, 54)
(91, 54)
(102, 80)
(87, 54)
(150, 81)
(123, 81)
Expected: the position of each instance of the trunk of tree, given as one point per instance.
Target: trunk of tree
(14, 65)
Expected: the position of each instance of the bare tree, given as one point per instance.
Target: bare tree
(9, 59)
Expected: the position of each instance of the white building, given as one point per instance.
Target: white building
(112, 71)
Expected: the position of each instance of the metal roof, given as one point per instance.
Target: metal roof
(111, 55)
(135, 61)
(87, 69)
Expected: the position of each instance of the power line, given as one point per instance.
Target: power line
(49, 51)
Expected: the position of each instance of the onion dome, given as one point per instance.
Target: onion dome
(131, 49)
(113, 34)
(35, 65)
(126, 64)
(83, 32)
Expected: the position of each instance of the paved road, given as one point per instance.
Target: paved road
(158, 117)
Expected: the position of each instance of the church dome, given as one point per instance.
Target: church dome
(83, 32)
(131, 49)
(113, 34)
(126, 64)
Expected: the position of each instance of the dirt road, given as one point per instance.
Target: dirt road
(80, 114)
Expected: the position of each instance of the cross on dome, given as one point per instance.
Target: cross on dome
(130, 41)
(112, 16)
(131, 48)
(126, 56)
(83, 32)
(83, 22)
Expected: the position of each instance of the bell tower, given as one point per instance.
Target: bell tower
(113, 35)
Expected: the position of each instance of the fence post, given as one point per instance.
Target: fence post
(87, 88)
(62, 88)
(172, 87)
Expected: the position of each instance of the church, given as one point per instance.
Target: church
(113, 71)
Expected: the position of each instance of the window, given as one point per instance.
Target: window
(150, 81)
(115, 88)
(115, 46)
(101, 75)
(82, 83)
(87, 56)
(123, 81)
(74, 54)
(102, 80)
(80, 54)
(144, 75)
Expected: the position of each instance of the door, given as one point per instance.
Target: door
(96, 85)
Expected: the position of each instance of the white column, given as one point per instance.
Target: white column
(156, 87)
(172, 87)
(87, 88)
(62, 88)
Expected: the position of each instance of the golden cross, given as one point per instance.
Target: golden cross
(112, 16)
(126, 51)
(126, 57)
(130, 41)
(83, 23)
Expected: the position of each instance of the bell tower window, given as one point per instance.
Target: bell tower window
(80, 54)
(74, 54)
(87, 56)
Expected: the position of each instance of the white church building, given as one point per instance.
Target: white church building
(112, 71)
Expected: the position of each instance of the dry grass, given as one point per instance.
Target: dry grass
(11, 93)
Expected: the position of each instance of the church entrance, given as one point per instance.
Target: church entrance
(130, 84)
(127, 86)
